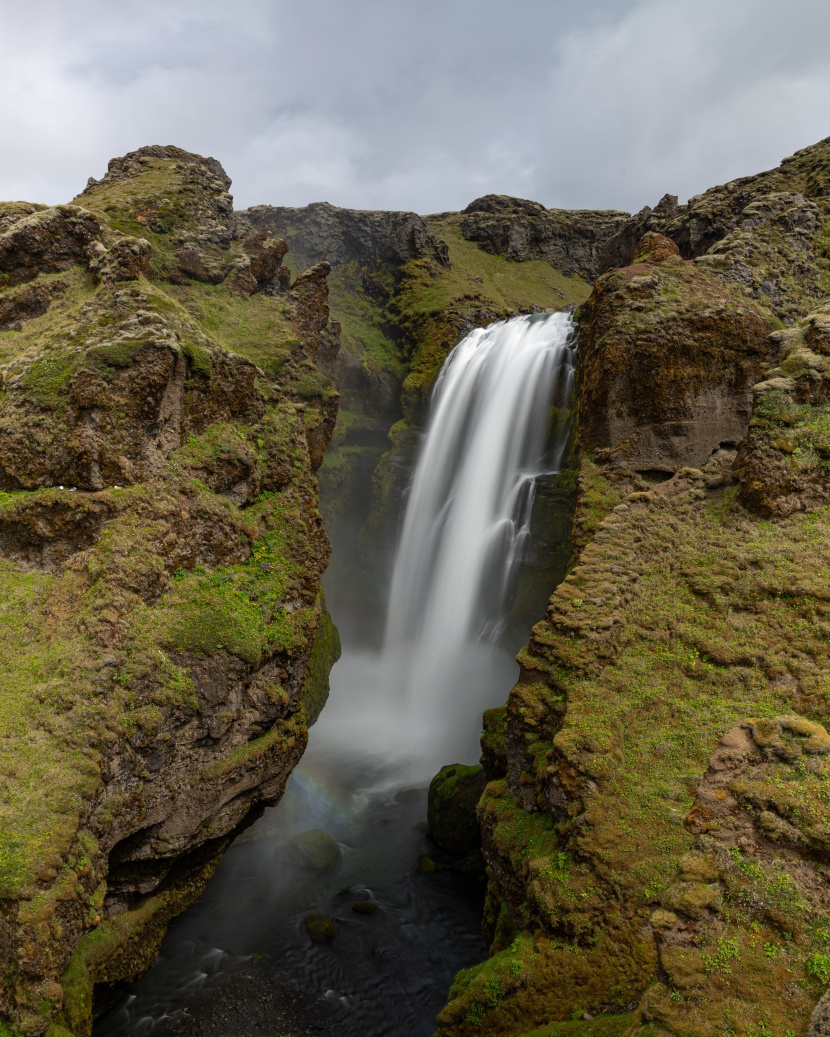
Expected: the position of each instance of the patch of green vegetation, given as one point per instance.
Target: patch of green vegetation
(357, 297)
(102, 633)
(601, 1026)
(434, 304)
(710, 609)
(124, 204)
(310, 384)
(236, 609)
(476, 274)
(256, 328)
(45, 770)
(325, 651)
(120, 948)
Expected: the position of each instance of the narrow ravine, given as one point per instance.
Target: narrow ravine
(242, 961)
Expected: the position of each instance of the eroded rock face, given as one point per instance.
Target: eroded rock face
(669, 355)
(321, 232)
(161, 551)
(783, 463)
(762, 233)
(571, 240)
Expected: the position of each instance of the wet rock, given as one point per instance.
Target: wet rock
(319, 928)
(365, 907)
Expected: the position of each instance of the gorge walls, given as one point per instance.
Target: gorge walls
(165, 641)
(655, 819)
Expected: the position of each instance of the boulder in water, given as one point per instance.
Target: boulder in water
(454, 793)
(320, 928)
(365, 907)
(315, 850)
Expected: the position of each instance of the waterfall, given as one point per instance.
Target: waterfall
(498, 418)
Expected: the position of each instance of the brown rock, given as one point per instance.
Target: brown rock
(669, 356)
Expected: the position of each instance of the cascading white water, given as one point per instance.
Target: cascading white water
(499, 417)
(469, 505)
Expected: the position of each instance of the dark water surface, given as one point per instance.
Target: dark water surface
(240, 961)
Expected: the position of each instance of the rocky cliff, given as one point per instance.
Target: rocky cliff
(164, 639)
(656, 819)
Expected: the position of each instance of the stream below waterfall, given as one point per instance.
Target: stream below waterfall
(240, 962)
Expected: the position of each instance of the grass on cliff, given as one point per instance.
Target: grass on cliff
(47, 769)
(720, 617)
(255, 328)
(498, 283)
(357, 299)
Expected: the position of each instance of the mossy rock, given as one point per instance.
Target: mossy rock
(454, 793)
(320, 928)
(365, 907)
(315, 850)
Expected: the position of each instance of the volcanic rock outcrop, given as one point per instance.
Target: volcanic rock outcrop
(164, 638)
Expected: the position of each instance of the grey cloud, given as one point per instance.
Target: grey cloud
(388, 104)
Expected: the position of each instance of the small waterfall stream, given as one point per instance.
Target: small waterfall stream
(499, 418)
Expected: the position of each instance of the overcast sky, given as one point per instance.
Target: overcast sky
(415, 104)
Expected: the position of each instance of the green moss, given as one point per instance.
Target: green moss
(115, 356)
(319, 928)
(707, 611)
(283, 736)
(256, 328)
(451, 811)
(145, 585)
(477, 274)
(38, 673)
(325, 651)
(121, 948)
(602, 1026)
(357, 296)
(48, 377)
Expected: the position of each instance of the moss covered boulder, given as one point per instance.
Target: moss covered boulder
(319, 928)
(454, 793)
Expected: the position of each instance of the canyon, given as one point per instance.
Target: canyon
(179, 378)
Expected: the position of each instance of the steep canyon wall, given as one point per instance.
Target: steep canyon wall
(164, 639)
(656, 820)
